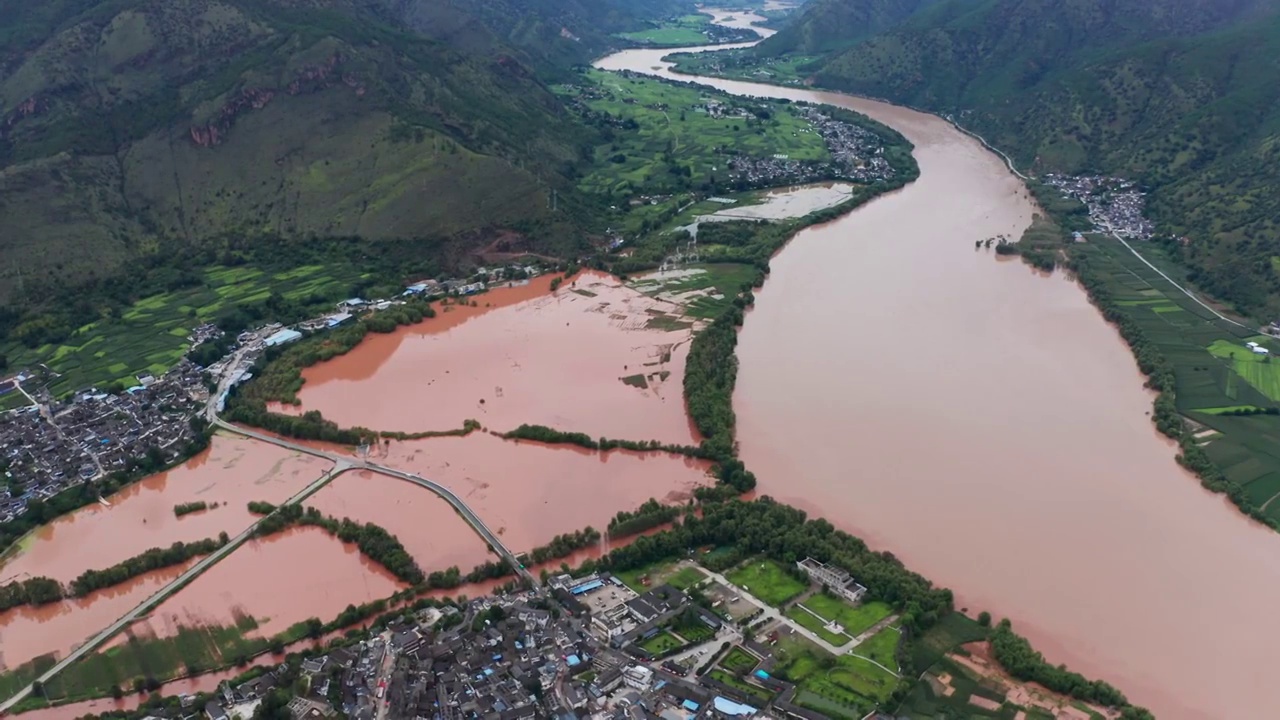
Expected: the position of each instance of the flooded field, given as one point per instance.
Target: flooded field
(280, 580)
(528, 492)
(231, 473)
(792, 202)
(433, 533)
(594, 356)
(29, 632)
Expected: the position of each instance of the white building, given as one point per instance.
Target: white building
(836, 579)
(638, 677)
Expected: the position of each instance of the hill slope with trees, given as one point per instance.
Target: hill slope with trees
(1183, 96)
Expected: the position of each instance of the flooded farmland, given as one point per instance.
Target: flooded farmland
(280, 580)
(232, 472)
(594, 357)
(529, 492)
(428, 527)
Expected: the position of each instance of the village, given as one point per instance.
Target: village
(856, 155)
(54, 444)
(579, 648)
(1115, 205)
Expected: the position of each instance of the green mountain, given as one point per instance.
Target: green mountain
(135, 127)
(1183, 95)
(825, 25)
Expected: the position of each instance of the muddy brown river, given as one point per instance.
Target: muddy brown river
(984, 424)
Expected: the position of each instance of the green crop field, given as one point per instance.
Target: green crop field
(150, 336)
(1213, 372)
(661, 643)
(1260, 371)
(669, 143)
(744, 65)
(198, 648)
(664, 571)
(767, 580)
(854, 619)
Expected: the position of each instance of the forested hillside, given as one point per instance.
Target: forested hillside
(1183, 95)
(825, 25)
(138, 129)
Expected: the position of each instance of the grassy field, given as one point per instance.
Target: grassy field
(1211, 372)
(729, 679)
(881, 647)
(684, 30)
(846, 686)
(661, 643)
(667, 144)
(853, 619)
(658, 573)
(693, 632)
(767, 580)
(1260, 371)
(816, 625)
(739, 660)
(743, 65)
(150, 337)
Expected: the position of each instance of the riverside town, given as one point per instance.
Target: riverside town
(565, 359)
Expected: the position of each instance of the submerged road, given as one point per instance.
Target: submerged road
(448, 495)
(340, 466)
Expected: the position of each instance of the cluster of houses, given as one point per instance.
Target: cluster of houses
(509, 658)
(1115, 205)
(48, 447)
(54, 444)
(857, 155)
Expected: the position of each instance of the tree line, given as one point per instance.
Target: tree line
(649, 515)
(373, 541)
(277, 377)
(187, 508)
(564, 545)
(44, 590)
(551, 436)
(141, 564)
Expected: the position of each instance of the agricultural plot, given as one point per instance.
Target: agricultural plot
(684, 30)
(853, 619)
(952, 631)
(704, 290)
(669, 142)
(1212, 375)
(192, 648)
(767, 580)
(150, 336)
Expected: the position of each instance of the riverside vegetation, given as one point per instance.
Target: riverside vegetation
(43, 590)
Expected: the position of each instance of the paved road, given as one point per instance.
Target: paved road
(340, 466)
(448, 495)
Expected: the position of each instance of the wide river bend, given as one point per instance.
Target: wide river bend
(983, 423)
